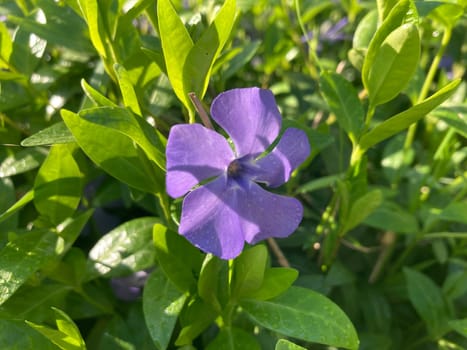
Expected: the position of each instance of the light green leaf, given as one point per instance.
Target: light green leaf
(365, 30)
(304, 314)
(90, 10)
(284, 344)
(176, 45)
(230, 338)
(162, 303)
(67, 337)
(427, 299)
(361, 208)
(394, 64)
(343, 101)
(179, 260)
(112, 150)
(124, 250)
(99, 99)
(128, 92)
(249, 268)
(58, 184)
(6, 46)
(200, 60)
(394, 20)
(275, 282)
(55, 134)
(23, 256)
(406, 118)
(22, 161)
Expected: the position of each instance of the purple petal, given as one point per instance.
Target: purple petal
(210, 221)
(266, 214)
(250, 117)
(291, 151)
(194, 153)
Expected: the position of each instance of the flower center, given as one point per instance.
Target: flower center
(234, 169)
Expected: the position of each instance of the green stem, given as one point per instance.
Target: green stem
(427, 83)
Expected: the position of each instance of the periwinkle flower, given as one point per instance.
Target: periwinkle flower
(230, 207)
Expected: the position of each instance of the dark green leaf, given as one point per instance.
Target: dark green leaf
(391, 217)
(179, 260)
(427, 299)
(230, 338)
(343, 101)
(16, 335)
(304, 314)
(361, 208)
(275, 282)
(162, 303)
(123, 250)
(249, 268)
(28, 197)
(460, 326)
(23, 256)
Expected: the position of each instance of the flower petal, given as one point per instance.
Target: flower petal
(210, 220)
(266, 214)
(194, 153)
(291, 151)
(250, 117)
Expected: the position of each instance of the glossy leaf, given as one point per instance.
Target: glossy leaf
(90, 10)
(343, 101)
(22, 161)
(304, 314)
(128, 92)
(179, 260)
(55, 134)
(99, 99)
(162, 303)
(23, 256)
(7, 199)
(112, 150)
(6, 46)
(284, 344)
(57, 189)
(25, 199)
(125, 249)
(395, 62)
(233, 339)
(427, 299)
(403, 120)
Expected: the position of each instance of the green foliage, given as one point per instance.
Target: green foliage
(90, 255)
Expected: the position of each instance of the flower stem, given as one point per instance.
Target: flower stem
(278, 252)
(201, 111)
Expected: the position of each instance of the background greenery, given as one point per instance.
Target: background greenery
(88, 92)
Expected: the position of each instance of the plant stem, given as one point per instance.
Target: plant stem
(201, 111)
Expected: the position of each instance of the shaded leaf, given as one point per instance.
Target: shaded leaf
(230, 338)
(54, 134)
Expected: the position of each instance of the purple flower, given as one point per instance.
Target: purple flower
(230, 207)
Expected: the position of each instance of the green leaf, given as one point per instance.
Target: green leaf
(284, 344)
(454, 116)
(95, 96)
(394, 64)
(179, 260)
(176, 45)
(200, 60)
(16, 335)
(54, 134)
(7, 199)
(112, 150)
(343, 101)
(58, 185)
(128, 92)
(6, 46)
(406, 118)
(394, 20)
(391, 217)
(427, 299)
(361, 208)
(304, 314)
(365, 30)
(208, 281)
(27, 197)
(455, 211)
(460, 326)
(275, 282)
(23, 256)
(67, 337)
(230, 338)
(124, 250)
(22, 162)
(162, 303)
(249, 268)
(90, 10)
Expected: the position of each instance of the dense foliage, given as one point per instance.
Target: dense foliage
(90, 255)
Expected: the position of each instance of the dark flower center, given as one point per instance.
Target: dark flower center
(234, 169)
